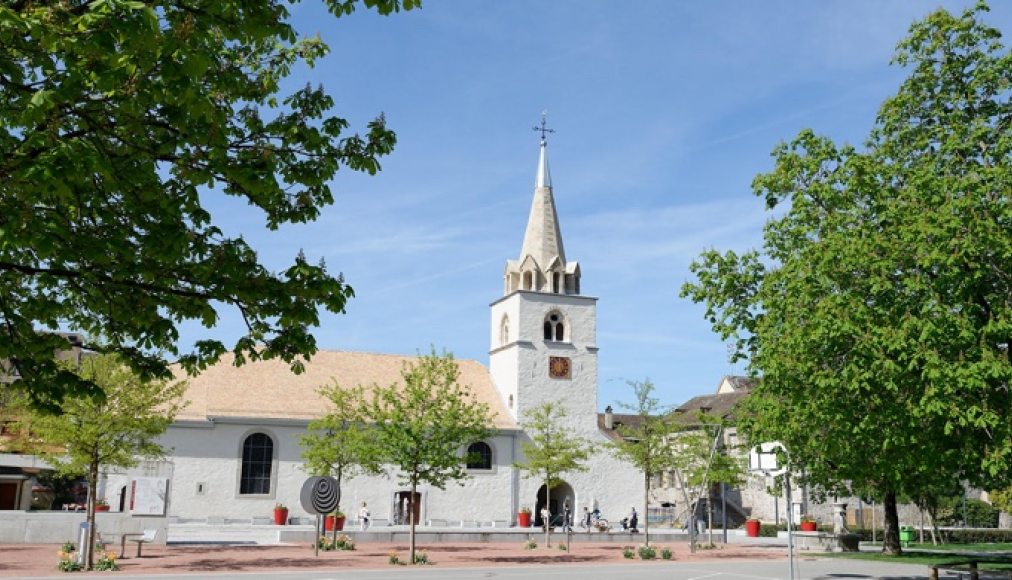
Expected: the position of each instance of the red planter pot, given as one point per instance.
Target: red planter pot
(330, 521)
(101, 508)
(280, 517)
(752, 528)
(808, 526)
(524, 519)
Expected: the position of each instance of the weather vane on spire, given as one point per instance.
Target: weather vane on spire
(544, 126)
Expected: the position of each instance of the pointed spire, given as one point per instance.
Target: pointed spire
(543, 178)
(542, 266)
(543, 238)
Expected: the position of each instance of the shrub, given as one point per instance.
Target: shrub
(562, 547)
(627, 552)
(979, 514)
(666, 553)
(421, 558)
(68, 547)
(343, 542)
(768, 530)
(67, 562)
(647, 552)
(974, 536)
(530, 544)
(393, 559)
(106, 562)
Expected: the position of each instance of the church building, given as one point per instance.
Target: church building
(234, 451)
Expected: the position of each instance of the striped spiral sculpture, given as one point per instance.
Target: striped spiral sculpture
(319, 495)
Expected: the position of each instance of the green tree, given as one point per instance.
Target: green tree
(422, 426)
(120, 121)
(551, 452)
(340, 444)
(1002, 499)
(701, 460)
(880, 309)
(91, 434)
(647, 443)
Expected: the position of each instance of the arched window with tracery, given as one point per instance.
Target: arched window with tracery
(555, 327)
(257, 463)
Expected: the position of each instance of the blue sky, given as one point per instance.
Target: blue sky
(664, 111)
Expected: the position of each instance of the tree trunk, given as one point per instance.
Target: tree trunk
(934, 526)
(411, 520)
(891, 526)
(646, 508)
(709, 516)
(680, 481)
(89, 548)
(337, 479)
(548, 510)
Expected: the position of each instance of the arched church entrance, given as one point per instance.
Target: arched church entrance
(556, 500)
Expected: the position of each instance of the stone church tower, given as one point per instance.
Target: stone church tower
(543, 332)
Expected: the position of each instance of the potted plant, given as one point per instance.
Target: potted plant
(807, 523)
(334, 520)
(280, 514)
(752, 527)
(101, 506)
(524, 517)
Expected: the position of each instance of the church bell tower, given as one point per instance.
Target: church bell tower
(543, 332)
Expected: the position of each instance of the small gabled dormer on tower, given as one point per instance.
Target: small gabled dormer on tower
(542, 266)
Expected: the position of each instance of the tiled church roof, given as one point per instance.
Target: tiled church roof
(269, 389)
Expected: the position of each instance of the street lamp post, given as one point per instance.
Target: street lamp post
(763, 459)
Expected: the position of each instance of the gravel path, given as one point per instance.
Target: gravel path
(35, 560)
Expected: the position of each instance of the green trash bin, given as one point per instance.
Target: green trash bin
(906, 535)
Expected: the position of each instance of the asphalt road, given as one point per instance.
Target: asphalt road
(806, 569)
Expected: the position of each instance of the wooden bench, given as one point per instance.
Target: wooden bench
(140, 539)
(967, 567)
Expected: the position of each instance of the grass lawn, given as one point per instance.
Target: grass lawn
(955, 553)
(1002, 547)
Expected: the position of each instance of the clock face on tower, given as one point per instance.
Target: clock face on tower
(559, 367)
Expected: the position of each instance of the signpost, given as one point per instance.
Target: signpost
(765, 459)
(319, 496)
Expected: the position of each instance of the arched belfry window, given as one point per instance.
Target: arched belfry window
(479, 456)
(257, 462)
(504, 330)
(555, 327)
(528, 280)
(555, 283)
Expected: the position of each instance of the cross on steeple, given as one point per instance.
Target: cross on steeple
(544, 126)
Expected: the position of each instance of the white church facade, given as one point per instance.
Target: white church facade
(234, 452)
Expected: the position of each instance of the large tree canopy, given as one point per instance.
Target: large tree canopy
(423, 428)
(119, 121)
(90, 436)
(879, 312)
